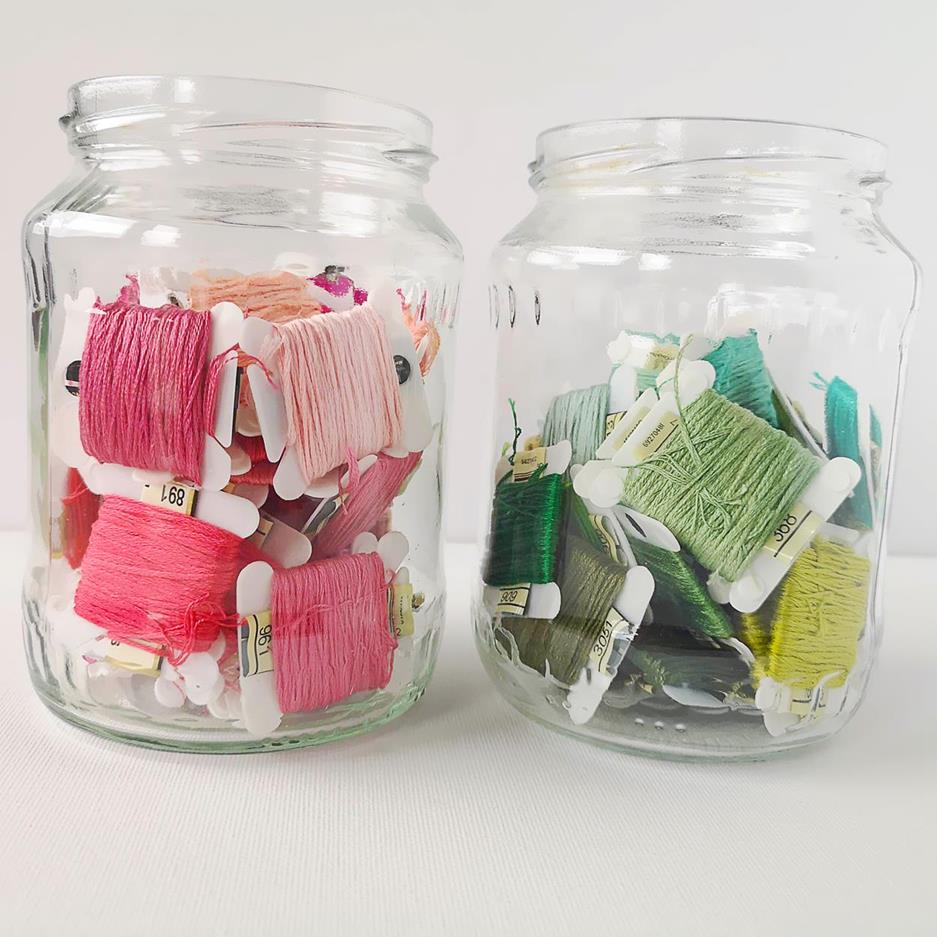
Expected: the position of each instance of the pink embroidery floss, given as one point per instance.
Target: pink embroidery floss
(151, 577)
(331, 631)
(148, 390)
(420, 330)
(366, 505)
(339, 387)
(276, 297)
(79, 512)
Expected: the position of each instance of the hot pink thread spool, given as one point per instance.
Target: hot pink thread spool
(331, 634)
(152, 577)
(148, 388)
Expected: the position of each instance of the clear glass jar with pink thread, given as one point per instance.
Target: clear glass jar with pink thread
(242, 311)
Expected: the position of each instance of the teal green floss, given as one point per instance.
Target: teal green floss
(841, 411)
(680, 597)
(578, 416)
(741, 375)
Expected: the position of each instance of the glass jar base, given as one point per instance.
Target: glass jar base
(106, 724)
(668, 733)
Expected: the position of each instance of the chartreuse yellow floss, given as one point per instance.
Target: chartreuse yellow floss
(818, 617)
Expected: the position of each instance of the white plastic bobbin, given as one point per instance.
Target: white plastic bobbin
(227, 511)
(596, 677)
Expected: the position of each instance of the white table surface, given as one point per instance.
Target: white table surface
(464, 818)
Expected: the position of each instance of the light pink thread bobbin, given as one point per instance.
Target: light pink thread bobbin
(339, 387)
(148, 389)
(331, 631)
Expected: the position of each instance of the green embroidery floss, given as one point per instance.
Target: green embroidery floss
(680, 598)
(841, 409)
(525, 528)
(819, 616)
(721, 483)
(578, 416)
(589, 585)
(674, 657)
(741, 376)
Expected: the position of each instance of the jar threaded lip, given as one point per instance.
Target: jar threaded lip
(141, 106)
(633, 144)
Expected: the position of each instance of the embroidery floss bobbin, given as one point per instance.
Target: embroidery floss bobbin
(331, 636)
(152, 577)
(148, 387)
(578, 416)
(721, 482)
(339, 387)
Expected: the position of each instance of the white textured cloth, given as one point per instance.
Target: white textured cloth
(464, 818)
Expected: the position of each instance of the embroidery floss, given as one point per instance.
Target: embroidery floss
(721, 483)
(79, 512)
(331, 633)
(590, 583)
(680, 598)
(741, 376)
(148, 389)
(151, 577)
(339, 387)
(578, 416)
(818, 617)
(364, 507)
(841, 409)
(276, 297)
(525, 526)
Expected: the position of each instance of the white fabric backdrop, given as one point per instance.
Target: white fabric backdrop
(463, 819)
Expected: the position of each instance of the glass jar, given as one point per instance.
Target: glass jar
(701, 329)
(235, 537)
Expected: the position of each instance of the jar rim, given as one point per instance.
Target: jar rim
(637, 143)
(114, 102)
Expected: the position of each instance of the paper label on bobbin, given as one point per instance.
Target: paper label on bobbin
(612, 420)
(512, 600)
(173, 496)
(657, 435)
(616, 627)
(659, 356)
(609, 545)
(137, 659)
(256, 650)
(400, 608)
(793, 533)
(526, 463)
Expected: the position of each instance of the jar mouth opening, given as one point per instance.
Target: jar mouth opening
(634, 144)
(138, 105)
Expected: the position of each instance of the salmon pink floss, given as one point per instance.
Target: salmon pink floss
(148, 389)
(155, 577)
(79, 512)
(339, 387)
(331, 631)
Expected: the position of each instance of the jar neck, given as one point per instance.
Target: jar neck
(199, 126)
(755, 183)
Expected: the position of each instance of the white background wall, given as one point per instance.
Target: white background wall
(491, 75)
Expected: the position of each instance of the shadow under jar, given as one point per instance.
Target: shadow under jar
(701, 329)
(242, 311)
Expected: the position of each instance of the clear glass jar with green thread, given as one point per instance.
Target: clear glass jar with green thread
(700, 330)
